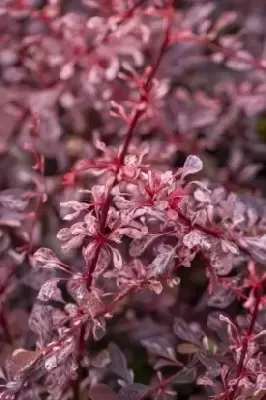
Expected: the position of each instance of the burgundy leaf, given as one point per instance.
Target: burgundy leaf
(102, 392)
(131, 392)
(119, 363)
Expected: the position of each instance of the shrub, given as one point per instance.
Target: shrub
(132, 220)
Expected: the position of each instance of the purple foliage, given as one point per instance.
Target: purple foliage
(132, 200)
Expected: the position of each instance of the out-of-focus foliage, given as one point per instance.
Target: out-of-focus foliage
(132, 199)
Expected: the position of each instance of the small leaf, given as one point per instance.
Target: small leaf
(221, 298)
(133, 232)
(14, 199)
(241, 62)
(213, 367)
(74, 242)
(217, 325)
(101, 391)
(60, 356)
(11, 219)
(204, 380)
(21, 361)
(64, 234)
(202, 196)
(192, 165)
(48, 289)
(221, 264)
(162, 263)
(51, 363)
(161, 363)
(184, 332)
(186, 376)
(187, 348)
(159, 346)
(40, 322)
(228, 246)
(119, 363)
(132, 392)
(257, 247)
(117, 259)
(249, 172)
(101, 360)
(138, 246)
(225, 19)
(45, 256)
(192, 239)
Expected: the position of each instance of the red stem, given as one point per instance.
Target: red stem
(129, 135)
(161, 385)
(241, 364)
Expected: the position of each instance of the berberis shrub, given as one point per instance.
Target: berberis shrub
(132, 212)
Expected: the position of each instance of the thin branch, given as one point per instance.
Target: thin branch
(241, 364)
(163, 383)
(129, 135)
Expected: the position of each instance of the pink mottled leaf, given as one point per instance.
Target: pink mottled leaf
(192, 165)
(163, 262)
(138, 246)
(48, 290)
(45, 256)
(117, 258)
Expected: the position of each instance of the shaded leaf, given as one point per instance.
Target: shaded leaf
(221, 297)
(187, 348)
(101, 391)
(242, 62)
(159, 346)
(257, 247)
(213, 367)
(132, 392)
(225, 19)
(119, 363)
(14, 199)
(10, 218)
(184, 332)
(186, 376)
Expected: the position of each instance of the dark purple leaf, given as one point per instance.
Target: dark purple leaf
(119, 363)
(102, 392)
(131, 392)
(158, 346)
(187, 375)
(213, 367)
(184, 331)
(221, 297)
